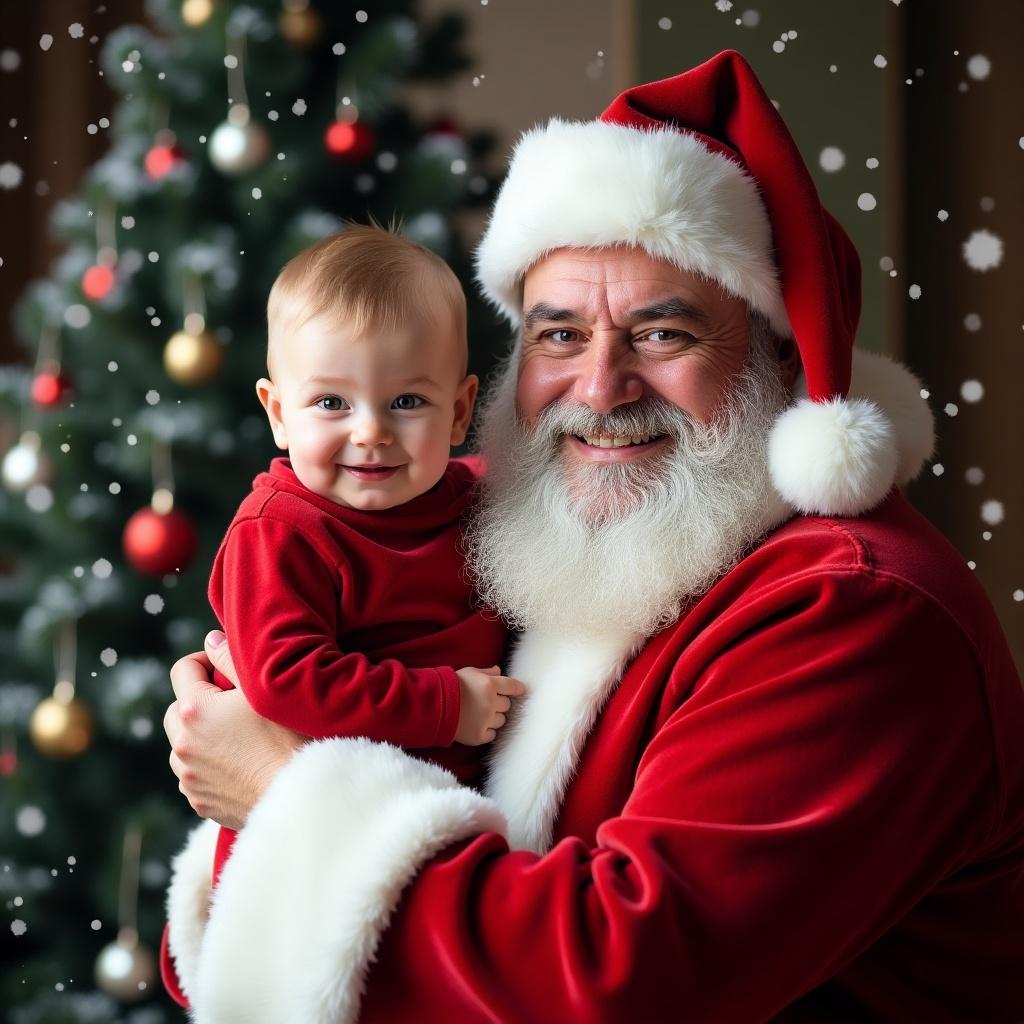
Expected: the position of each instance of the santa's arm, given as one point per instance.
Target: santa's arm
(781, 820)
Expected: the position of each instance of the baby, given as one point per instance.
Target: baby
(340, 583)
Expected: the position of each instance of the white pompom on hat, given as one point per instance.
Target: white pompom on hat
(701, 171)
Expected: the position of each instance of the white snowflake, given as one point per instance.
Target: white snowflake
(338, 49)
(75, 30)
(979, 67)
(299, 107)
(10, 175)
(866, 201)
(10, 60)
(18, 927)
(880, 61)
(983, 250)
(972, 391)
(992, 512)
(77, 315)
(972, 322)
(943, 215)
(30, 820)
(102, 568)
(664, 24)
(914, 291)
(154, 604)
(723, 5)
(974, 475)
(45, 41)
(832, 158)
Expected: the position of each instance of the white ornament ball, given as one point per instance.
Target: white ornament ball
(24, 465)
(126, 970)
(238, 147)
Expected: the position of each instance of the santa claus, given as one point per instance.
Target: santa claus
(769, 765)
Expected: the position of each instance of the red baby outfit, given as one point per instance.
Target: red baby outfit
(349, 623)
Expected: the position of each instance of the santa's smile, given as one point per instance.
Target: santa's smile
(615, 447)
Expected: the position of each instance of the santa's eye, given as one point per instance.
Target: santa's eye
(563, 335)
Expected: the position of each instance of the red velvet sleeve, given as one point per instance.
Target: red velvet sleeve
(832, 762)
(279, 601)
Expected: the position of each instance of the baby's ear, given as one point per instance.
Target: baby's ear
(266, 391)
(465, 396)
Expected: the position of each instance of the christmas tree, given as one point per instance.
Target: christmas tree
(244, 132)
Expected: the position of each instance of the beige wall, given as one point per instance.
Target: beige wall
(538, 58)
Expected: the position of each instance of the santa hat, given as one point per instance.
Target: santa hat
(700, 170)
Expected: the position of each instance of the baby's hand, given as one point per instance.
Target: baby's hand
(486, 697)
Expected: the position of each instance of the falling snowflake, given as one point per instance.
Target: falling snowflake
(866, 201)
(1018, 595)
(102, 568)
(77, 315)
(951, 408)
(943, 215)
(10, 175)
(992, 512)
(972, 391)
(45, 41)
(979, 67)
(30, 820)
(299, 107)
(938, 469)
(871, 163)
(75, 30)
(723, 5)
(832, 158)
(880, 61)
(983, 250)
(972, 322)
(974, 475)
(10, 60)
(338, 49)
(778, 46)
(18, 927)
(751, 19)
(361, 17)
(914, 291)
(664, 24)
(257, 193)
(154, 604)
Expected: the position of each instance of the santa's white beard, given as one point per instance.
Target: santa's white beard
(621, 545)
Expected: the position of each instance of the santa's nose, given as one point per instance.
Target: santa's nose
(605, 380)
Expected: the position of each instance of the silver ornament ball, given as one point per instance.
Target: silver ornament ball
(24, 465)
(126, 969)
(238, 144)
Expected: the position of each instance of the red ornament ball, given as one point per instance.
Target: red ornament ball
(159, 543)
(350, 141)
(8, 762)
(50, 388)
(98, 281)
(161, 159)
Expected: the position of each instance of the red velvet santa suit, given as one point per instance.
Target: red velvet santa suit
(805, 800)
(363, 617)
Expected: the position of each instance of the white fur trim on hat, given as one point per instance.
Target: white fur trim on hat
(590, 184)
(313, 878)
(841, 457)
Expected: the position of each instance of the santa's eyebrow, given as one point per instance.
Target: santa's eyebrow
(542, 311)
(670, 309)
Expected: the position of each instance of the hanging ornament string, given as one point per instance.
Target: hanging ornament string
(61, 725)
(194, 314)
(238, 144)
(164, 155)
(128, 897)
(160, 539)
(126, 969)
(99, 280)
(346, 135)
(49, 385)
(163, 477)
(193, 356)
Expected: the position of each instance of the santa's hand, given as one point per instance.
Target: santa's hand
(222, 752)
(486, 696)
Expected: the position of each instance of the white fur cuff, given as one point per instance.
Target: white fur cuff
(314, 877)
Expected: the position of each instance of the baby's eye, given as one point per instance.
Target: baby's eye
(407, 402)
(331, 403)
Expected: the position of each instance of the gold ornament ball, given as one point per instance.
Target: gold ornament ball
(126, 970)
(196, 12)
(191, 358)
(301, 28)
(61, 728)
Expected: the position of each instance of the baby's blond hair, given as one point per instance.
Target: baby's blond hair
(368, 278)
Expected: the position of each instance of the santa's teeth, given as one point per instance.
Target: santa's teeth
(618, 441)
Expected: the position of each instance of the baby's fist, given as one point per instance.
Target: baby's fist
(486, 698)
